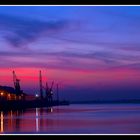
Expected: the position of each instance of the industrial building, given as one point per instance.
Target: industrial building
(9, 93)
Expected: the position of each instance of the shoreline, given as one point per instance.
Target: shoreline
(17, 105)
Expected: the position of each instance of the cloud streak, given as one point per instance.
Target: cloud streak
(19, 32)
(68, 60)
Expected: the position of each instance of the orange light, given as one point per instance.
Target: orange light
(1, 120)
(1, 93)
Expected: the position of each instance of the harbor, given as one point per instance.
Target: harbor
(15, 98)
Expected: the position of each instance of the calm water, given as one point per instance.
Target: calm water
(74, 119)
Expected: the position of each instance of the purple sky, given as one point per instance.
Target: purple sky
(93, 51)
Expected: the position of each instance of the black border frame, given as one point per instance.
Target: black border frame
(69, 2)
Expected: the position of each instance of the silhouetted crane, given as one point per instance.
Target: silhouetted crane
(16, 84)
(49, 91)
(50, 94)
(40, 83)
(57, 92)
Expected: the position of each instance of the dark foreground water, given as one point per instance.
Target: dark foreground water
(73, 119)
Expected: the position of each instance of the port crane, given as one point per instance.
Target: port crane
(49, 92)
(16, 84)
(40, 84)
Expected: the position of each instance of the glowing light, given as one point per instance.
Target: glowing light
(9, 97)
(1, 93)
(36, 95)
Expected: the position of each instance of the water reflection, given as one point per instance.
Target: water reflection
(10, 120)
(41, 120)
(37, 128)
(73, 119)
(22, 120)
(1, 122)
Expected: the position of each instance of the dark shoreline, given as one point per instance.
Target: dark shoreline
(18, 105)
(135, 101)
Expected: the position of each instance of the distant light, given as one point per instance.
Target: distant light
(36, 95)
(1, 93)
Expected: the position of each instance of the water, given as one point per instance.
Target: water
(73, 119)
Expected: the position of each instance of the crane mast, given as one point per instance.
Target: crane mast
(16, 84)
(57, 92)
(51, 86)
(40, 84)
(50, 93)
(48, 90)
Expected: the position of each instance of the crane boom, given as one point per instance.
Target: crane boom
(51, 86)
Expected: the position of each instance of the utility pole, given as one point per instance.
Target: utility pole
(40, 84)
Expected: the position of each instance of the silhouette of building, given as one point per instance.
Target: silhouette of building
(9, 93)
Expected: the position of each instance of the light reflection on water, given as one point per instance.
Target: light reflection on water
(74, 119)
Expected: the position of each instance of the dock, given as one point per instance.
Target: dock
(18, 104)
(14, 98)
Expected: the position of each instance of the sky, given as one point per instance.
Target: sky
(92, 52)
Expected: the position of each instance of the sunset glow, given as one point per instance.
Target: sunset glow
(80, 48)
